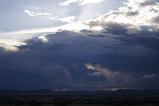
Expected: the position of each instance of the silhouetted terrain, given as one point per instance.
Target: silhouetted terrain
(80, 98)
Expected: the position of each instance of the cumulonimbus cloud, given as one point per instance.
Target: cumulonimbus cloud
(123, 42)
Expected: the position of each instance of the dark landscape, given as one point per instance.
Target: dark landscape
(80, 98)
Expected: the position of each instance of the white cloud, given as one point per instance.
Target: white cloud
(66, 3)
(110, 75)
(80, 2)
(90, 67)
(46, 15)
(43, 38)
(103, 71)
(148, 76)
(9, 48)
(30, 13)
(137, 14)
(10, 45)
(33, 14)
(83, 2)
(75, 27)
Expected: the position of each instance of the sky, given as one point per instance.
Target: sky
(79, 44)
(28, 14)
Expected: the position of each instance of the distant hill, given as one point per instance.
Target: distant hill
(119, 92)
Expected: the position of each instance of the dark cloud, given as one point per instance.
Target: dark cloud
(123, 54)
(147, 3)
(156, 20)
(61, 62)
(132, 13)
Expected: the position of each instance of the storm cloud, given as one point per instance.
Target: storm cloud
(117, 50)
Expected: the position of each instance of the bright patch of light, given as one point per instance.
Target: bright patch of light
(43, 38)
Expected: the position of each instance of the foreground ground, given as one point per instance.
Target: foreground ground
(79, 100)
